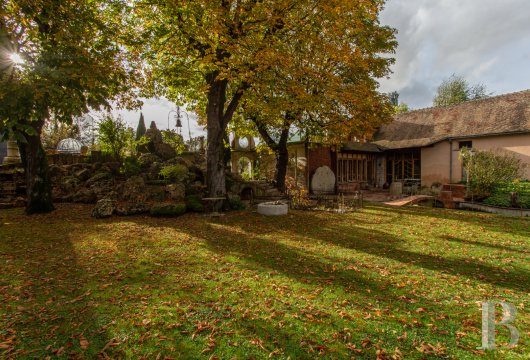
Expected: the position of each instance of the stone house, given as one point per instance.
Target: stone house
(420, 146)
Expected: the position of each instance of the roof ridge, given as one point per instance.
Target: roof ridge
(462, 103)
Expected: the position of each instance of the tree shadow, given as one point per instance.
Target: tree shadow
(374, 242)
(380, 243)
(484, 244)
(52, 312)
(60, 273)
(489, 222)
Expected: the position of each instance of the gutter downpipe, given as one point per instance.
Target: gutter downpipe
(450, 160)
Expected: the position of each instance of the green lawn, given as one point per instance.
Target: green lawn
(396, 282)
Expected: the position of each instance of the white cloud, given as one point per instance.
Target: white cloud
(482, 40)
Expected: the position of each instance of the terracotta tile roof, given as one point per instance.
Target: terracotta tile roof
(503, 114)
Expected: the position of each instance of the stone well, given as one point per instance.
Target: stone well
(273, 208)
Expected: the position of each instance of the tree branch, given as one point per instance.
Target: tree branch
(232, 107)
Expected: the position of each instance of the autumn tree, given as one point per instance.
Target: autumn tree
(68, 60)
(323, 83)
(455, 90)
(211, 53)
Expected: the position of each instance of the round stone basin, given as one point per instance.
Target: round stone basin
(272, 208)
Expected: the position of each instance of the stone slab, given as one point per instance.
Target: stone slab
(273, 209)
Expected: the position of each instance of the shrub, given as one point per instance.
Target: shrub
(193, 203)
(114, 136)
(175, 173)
(498, 200)
(174, 139)
(168, 210)
(235, 203)
(298, 195)
(486, 170)
(131, 166)
(502, 194)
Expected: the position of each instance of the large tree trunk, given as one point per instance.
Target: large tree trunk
(282, 160)
(279, 148)
(228, 150)
(38, 184)
(218, 118)
(215, 167)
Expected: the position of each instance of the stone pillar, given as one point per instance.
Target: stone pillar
(13, 155)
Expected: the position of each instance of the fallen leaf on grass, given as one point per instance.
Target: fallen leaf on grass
(83, 342)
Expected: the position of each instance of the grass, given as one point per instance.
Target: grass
(383, 282)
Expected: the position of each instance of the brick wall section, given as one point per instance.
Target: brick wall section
(317, 157)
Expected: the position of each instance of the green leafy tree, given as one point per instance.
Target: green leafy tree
(456, 90)
(401, 108)
(140, 130)
(171, 137)
(115, 137)
(68, 60)
(211, 53)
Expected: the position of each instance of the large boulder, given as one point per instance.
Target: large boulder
(165, 151)
(156, 144)
(175, 191)
(99, 177)
(85, 196)
(323, 181)
(105, 189)
(83, 174)
(104, 208)
(126, 209)
(56, 171)
(134, 189)
(147, 159)
(154, 171)
(69, 184)
(153, 134)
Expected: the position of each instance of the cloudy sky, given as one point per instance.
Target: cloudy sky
(485, 41)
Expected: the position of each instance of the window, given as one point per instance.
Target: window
(465, 144)
(403, 165)
(355, 168)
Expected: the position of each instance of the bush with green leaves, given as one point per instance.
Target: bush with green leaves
(131, 166)
(174, 139)
(502, 195)
(175, 173)
(193, 203)
(235, 203)
(115, 137)
(486, 170)
(166, 210)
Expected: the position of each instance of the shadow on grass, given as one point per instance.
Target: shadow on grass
(485, 244)
(52, 314)
(284, 245)
(374, 242)
(488, 222)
